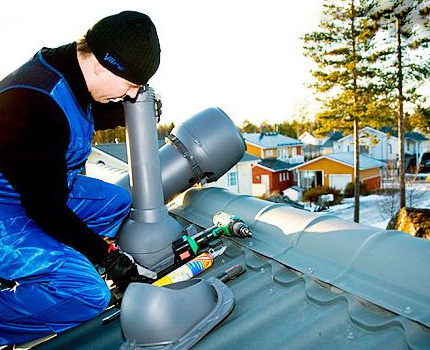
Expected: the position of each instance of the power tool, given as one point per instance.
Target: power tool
(188, 246)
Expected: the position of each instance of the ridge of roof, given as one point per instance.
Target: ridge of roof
(386, 268)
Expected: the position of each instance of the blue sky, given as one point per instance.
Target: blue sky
(242, 56)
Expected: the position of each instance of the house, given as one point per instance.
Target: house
(269, 145)
(311, 281)
(337, 170)
(416, 144)
(114, 156)
(330, 144)
(278, 153)
(272, 176)
(239, 178)
(311, 147)
(375, 143)
(309, 139)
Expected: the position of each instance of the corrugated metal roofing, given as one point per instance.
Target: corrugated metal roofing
(312, 281)
(270, 140)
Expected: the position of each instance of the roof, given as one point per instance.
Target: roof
(347, 158)
(295, 188)
(270, 139)
(413, 135)
(416, 136)
(371, 292)
(249, 158)
(119, 151)
(333, 136)
(276, 164)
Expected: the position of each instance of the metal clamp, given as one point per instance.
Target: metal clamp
(195, 167)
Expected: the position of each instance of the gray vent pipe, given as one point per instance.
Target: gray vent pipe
(149, 232)
(200, 149)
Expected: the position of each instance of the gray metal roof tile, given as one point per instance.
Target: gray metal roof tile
(312, 281)
(387, 268)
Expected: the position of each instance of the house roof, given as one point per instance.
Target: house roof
(413, 135)
(276, 164)
(299, 292)
(270, 139)
(119, 151)
(416, 136)
(333, 136)
(347, 158)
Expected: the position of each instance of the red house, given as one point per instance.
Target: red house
(279, 153)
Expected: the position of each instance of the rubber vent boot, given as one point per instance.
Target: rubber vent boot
(173, 317)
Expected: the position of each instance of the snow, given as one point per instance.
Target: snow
(375, 209)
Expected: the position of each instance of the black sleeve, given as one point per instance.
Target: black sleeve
(34, 137)
(108, 115)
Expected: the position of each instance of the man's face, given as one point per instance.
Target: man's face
(108, 86)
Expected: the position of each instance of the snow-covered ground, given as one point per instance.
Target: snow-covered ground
(375, 209)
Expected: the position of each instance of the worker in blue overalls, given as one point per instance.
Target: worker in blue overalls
(53, 220)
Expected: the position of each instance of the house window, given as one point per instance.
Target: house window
(390, 148)
(282, 153)
(364, 149)
(280, 177)
(232, 178)
(288, 176)
(283, 176)
(269, 153)
(348, 148)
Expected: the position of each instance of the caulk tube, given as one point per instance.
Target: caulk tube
(187, 271)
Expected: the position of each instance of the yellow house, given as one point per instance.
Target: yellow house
(337, 170)
(270, 145)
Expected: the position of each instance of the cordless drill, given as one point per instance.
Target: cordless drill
(187, 247)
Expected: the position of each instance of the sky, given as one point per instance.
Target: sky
(243, 56)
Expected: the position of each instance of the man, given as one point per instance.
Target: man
(53, 221)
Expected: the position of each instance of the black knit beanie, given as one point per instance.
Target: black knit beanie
(127, 45)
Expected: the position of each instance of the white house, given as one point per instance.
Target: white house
(239, 178)
(309, 139)
(378, 144)
(416, 144)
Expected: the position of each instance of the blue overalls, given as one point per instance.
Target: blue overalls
(58, 287)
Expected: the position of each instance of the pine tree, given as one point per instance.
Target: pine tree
(342, 75)
(402, 34)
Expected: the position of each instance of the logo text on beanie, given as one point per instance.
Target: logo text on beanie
(113, 61)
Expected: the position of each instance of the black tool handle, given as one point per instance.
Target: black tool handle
(231, 273)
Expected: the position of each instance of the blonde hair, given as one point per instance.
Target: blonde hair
(83, 47)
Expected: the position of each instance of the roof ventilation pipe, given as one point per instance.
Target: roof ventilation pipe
(199, 150)
(149, 232)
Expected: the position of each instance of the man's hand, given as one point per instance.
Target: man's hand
(121, 268)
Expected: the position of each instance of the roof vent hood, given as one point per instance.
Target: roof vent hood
(201, 149)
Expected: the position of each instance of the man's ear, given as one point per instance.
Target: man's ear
(98, 68)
